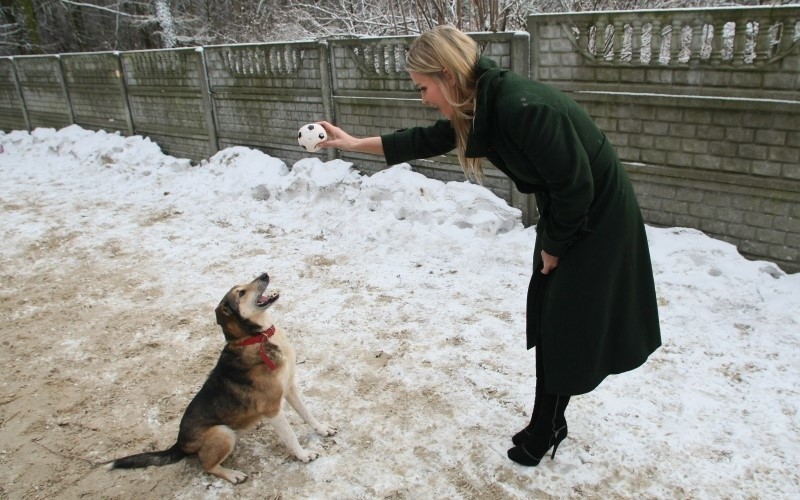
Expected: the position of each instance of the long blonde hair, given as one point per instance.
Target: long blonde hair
(446, 49)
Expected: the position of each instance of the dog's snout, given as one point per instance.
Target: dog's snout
(264, 277)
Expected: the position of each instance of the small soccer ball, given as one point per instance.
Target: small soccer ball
(309, 136)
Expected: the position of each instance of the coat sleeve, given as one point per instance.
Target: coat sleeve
(418, 142)
(553, 148)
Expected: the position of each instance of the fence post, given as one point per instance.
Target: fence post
(520, 54)
(20, 94)
(208, 103)
(123, 88)
(534, 41)
(521, 64)
(64, 88)
(325, 73)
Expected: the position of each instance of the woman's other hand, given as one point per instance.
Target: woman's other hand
(549, 262)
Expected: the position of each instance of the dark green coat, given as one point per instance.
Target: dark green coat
(599, 312)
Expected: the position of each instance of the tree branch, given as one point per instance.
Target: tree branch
(105, 9)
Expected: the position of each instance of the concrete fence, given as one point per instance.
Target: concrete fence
(702, 104)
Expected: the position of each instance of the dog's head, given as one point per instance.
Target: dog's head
(242, 312)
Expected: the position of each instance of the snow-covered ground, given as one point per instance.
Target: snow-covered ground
(404, 297)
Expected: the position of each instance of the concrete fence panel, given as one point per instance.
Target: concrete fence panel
(167, 101)
(43, 91)
(96, 91)
(13, 114)
(263, 93)
(373, 95)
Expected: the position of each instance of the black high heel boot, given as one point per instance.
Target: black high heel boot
(548, 432)
(532, 451)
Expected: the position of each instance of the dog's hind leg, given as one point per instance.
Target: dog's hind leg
(217, 444)
(288, 437)
(293, 397)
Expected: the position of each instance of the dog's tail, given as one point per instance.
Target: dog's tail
(163, 457)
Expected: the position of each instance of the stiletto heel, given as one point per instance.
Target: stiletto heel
(555, 447)
(557, 438)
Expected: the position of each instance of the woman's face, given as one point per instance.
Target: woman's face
(431, 93)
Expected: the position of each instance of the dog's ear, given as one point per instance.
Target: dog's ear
(223, 312)
(234, 326)
(226, 318)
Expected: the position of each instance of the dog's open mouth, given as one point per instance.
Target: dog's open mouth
(267, 300)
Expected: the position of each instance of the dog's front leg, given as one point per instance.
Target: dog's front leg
(288, 437)
(293, 397)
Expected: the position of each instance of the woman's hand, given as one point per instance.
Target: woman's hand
(339, 139)
(549, 262)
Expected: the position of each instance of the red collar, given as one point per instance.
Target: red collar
(261, 338)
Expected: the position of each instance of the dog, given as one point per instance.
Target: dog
(253, 375)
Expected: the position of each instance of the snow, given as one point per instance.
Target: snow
(405, 298)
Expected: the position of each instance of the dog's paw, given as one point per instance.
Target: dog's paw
(306, 456)
(326, 430)
(232, 475)
(238, 477)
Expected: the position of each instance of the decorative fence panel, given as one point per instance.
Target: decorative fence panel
(168, 100)
(373, 95)
(263, 93)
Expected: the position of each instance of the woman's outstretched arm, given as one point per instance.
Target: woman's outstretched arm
(339, 139)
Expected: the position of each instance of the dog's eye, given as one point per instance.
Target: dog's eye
(241, 293)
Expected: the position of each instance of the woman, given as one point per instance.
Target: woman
(591, 306)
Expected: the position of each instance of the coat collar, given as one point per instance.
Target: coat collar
(478, 139)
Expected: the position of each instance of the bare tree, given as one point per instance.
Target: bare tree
(50, 26)
(167, 24)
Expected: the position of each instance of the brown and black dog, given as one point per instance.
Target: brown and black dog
(253, 375)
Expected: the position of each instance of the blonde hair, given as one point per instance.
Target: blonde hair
(443, 50)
